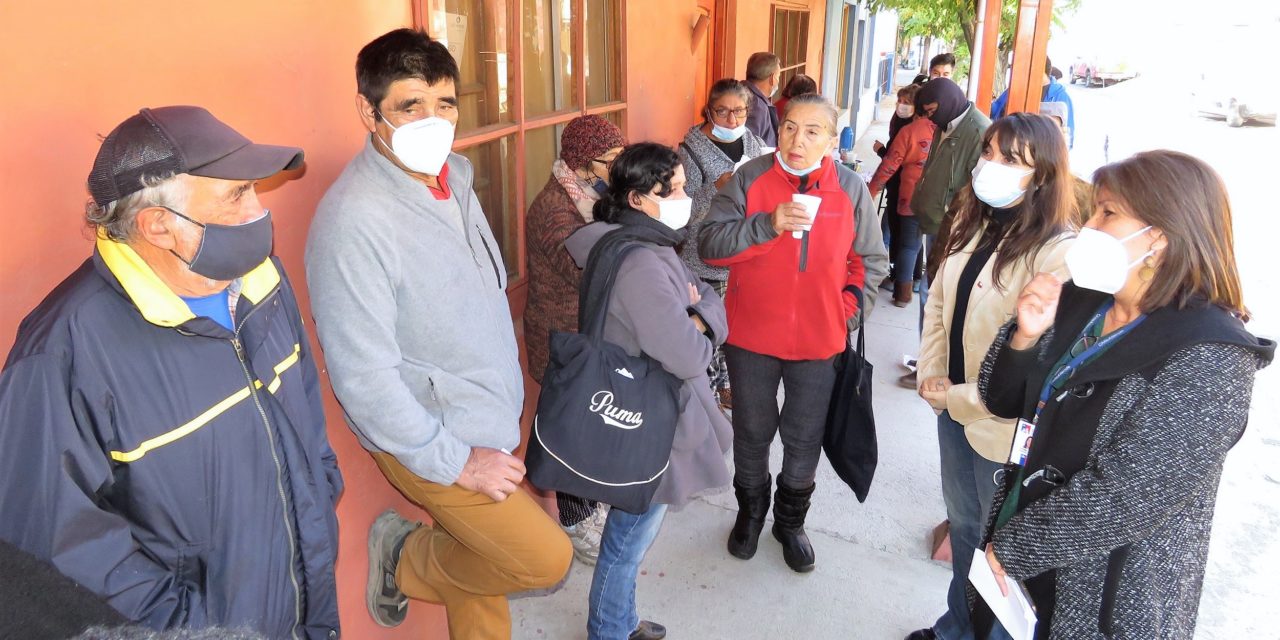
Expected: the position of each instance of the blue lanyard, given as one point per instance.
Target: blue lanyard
(1067, 370)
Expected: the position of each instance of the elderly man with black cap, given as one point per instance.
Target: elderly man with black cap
(162, 440)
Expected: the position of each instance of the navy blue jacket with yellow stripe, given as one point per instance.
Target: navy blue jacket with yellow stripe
(177, 469)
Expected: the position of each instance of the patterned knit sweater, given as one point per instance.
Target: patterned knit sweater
(1122, 542)
(704, 162)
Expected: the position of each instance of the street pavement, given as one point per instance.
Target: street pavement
(874, 579)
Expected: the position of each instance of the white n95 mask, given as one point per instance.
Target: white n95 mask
(674, 213)
(998, 184)
(1099, 261)
(422, 145)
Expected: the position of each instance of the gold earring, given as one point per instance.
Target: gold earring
(1148, 270)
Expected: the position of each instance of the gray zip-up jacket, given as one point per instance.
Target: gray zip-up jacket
(408, 293)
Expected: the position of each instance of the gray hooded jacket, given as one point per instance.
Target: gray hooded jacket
(648, 312)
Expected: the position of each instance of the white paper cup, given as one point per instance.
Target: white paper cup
(810, 204)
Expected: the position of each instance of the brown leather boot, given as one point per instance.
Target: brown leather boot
(901, 294)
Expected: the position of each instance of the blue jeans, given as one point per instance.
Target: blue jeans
(611, 613)
(968, 487)
(906, 246)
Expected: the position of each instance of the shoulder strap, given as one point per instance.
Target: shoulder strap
(598, 278)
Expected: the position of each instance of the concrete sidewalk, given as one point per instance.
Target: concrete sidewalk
(873, 579)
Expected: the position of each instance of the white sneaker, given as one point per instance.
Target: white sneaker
(585, 536)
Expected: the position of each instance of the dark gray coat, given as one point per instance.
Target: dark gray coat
(649, 312)
(1119, 545)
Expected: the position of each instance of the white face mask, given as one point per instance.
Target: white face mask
(906, 110)
(798, 172)
(673, 213)
(422, 145)
(1099, 261)
(998, 185)
(726, 134)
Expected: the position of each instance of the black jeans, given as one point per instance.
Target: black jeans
(756, 418)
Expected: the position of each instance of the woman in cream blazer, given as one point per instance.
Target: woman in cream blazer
(1010, 223)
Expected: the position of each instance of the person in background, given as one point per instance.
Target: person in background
(763, 74)
(657, 307)
(1051, 91)
(799, 84)
(790, 300)
(1136, 376)
(1012, 222)
(942, 66)
(408, 291)
(162, 439)
(898, 174)
(710, 153)
(902, 116)
(1082, 189)
(579, 176)
(956, 147)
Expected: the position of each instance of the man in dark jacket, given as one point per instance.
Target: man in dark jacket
(162, 440)
(764, 71)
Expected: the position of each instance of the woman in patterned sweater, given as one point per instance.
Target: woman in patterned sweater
(587, 148)
(1133, 381)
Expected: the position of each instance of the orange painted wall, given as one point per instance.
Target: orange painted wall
(279, 72)
(750, 30)
(660, 69)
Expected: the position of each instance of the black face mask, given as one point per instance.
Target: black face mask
(227, 252)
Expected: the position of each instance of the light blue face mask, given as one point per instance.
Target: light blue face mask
(728, 135)
(797, 172)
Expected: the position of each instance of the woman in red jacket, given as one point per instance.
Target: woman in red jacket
(794, 283)
(905, 156)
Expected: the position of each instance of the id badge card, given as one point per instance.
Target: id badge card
(1022, 442)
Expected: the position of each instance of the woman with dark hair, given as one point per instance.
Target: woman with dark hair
(657, 307)
(1012, 222)
(798, 85)
(578, 177)
(710, 153)
(1133, 380)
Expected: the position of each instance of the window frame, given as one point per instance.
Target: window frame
(793, 50)
(520, 124)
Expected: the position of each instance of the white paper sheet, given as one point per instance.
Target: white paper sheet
(1014, 612)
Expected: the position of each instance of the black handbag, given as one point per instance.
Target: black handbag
(606, 420)
(849, 439)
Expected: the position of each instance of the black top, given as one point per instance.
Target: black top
(732, 149)
(986, 249)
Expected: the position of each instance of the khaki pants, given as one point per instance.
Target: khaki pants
(477, 552)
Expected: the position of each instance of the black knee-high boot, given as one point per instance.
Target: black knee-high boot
(789, 509)
(753, 505)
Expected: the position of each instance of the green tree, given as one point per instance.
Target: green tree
(956, 23)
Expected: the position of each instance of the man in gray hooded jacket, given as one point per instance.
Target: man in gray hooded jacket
(408, 292)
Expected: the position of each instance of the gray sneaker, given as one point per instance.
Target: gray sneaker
(387, 604)
(585, 536)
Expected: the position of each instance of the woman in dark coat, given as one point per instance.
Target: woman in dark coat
(1136, 379)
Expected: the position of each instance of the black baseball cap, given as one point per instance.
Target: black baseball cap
(180, 139)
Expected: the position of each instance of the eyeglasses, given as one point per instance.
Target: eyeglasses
(722, 112)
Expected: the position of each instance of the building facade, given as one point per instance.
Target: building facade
(282, 72)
